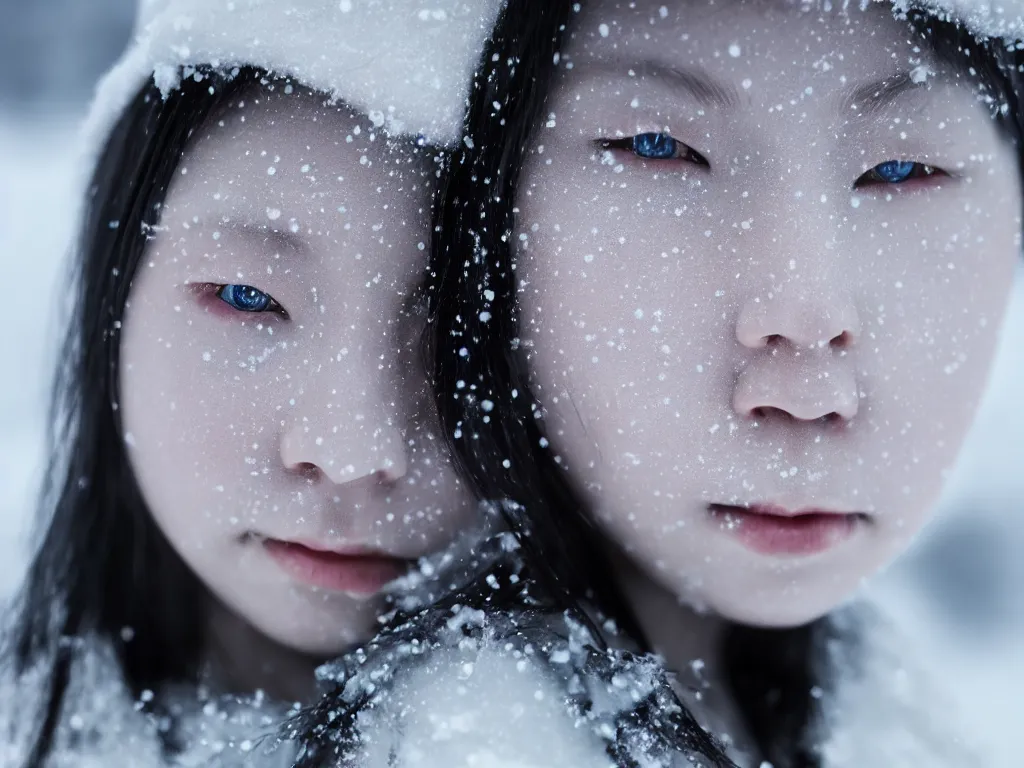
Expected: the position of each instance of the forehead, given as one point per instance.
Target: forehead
(293, 144)
(749, 40)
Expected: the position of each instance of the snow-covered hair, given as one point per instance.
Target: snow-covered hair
(985, 19)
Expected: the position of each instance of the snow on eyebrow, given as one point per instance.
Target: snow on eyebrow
(878, 96)
(692, 82)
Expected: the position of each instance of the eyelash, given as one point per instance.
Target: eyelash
(913, 171)
(656, 147)
(230, 295)
(660, 145)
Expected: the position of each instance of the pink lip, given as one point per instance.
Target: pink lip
(773, 530)
(354, 571)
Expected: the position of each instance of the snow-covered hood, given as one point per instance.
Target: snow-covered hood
(405, 63)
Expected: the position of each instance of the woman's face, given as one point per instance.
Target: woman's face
(764, 255)
(273, 403)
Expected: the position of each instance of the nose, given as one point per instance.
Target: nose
(805, 317)
(803, 391)
(344, 434)
(803, 371)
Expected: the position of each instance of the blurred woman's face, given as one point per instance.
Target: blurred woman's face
(764, 257)
(276, 414)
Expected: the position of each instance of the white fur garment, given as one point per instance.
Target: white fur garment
(405, 63)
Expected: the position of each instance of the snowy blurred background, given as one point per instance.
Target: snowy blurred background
(960, 589)
(52, 52)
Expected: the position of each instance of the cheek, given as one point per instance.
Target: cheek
(621, 295)
(632, 357)
(201, 397)
(932, 304)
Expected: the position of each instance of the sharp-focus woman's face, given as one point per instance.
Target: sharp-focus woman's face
(764, 256)
(276, 413)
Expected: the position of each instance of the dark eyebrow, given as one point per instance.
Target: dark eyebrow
(871, 99)
(696, 83)
(867, 100)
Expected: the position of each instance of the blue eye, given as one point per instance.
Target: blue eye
(896, 172)
(245, 298)
(655, 146)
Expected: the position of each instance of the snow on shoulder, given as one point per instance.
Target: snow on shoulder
(522, 683)
(486, 709)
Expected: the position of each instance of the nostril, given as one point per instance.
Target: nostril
(387, 477)
(772, 340)
(766, 412)
(842, 341)
(306, 470)
(762, 412)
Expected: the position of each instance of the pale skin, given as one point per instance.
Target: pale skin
(761, 324)
(309, 421)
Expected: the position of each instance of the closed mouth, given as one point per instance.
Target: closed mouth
(353, 570)
(770, 529)
(777, 510)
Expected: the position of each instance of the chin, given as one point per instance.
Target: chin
(322, 636)
(781, 611)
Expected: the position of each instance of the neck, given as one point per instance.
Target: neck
(243, 660)
(690, 642)
(678, 632)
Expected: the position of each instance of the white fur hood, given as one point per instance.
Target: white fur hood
(405, 63)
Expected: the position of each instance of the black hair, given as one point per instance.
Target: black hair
(555, 588)
(102, 569)
(779, 677)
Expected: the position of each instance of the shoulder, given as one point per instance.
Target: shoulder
(478, 706)
(99, 724)
(890, 705)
